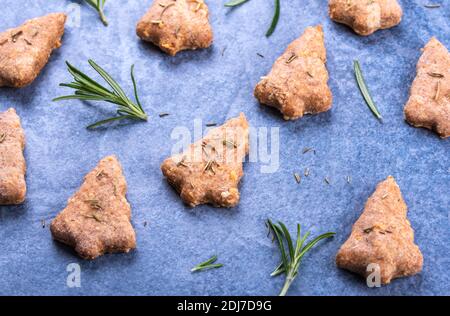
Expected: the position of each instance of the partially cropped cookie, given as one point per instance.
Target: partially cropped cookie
(97, 218)
(175, 25)
(382, 236)
(366, 16)
(209, 171)
(298, 81)
(25, 50)
(12, 163)
(429, 102)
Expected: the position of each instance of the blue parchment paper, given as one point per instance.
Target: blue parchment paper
(213, 85)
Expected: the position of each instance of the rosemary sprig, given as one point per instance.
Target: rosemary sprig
(208, 264)
(291, 257)
(98, 5)
(88, 89)
(364, 90)
(276, 15)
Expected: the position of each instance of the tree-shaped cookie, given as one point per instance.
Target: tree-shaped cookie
(429, 102)
(12, 162)
(382, 237)
(210, 169)
(175, 25)
(366, 16)
(96, 219)
(25, 50)
(297, 83)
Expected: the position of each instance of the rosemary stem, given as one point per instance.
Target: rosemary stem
(287, 284)
(103, 17)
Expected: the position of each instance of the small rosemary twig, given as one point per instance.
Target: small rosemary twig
(208, 264)
(365, 91)
(88, 89)
(98, 5)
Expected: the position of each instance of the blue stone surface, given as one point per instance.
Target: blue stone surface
(213, 85)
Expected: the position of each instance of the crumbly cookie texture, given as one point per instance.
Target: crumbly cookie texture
(175, 25)
(297, 83)
(366, 16)
(97, 218)
(12, 163)
(209, 171)
(429, 102)
(382, 236)
(25, 50)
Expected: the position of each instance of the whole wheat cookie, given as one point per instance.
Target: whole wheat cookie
(25, 50)
(12, 162)
(175, 25)
(429, 102)
(297, 83)
(366, 16)
(97, 218)
(382, 236)
(209, 170)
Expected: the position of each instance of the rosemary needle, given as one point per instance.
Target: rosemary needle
(98, 5)
(234, 3)
(291, 258)
(88, 89)
(208, 264)
(364, 90)
(276, 15)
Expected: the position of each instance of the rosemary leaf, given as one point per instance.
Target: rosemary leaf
(290, 259)
(87, 89)
(235, 3)
(365, 91)
(208, 264)
(275, 19)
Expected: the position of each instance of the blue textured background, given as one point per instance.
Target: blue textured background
(213, 85)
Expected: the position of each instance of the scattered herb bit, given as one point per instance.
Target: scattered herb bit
(291, 59)
(211, 124)
(327, 180)
(297, 177)
(163, 114)
(43, 223)
(223, 50)
(145, 223)
(308, 149)
(384, 196)
(208, 264)
(229, 143)
(2, 137)
(15, 36)
(276, 15)
(88, 89)
(368, 230)
(436, 75)
(438, 91)
(95, 204)
(260, 55)
(307, 172)
(432, 6)
(309, 73)
(349, 179)
(364, 91)
(98, 5)
(292, 257)
(28, 42)
(209, 166)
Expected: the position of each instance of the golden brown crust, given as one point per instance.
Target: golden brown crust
(382, 235)
(297, 83)
(209, 171)
(175, 25)
(97, 218)
(12, 162)
(25, 50)
(429, 102)
(366, 16)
